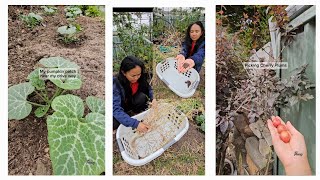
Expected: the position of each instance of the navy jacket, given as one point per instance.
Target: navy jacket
(197, 57)
(118, 102)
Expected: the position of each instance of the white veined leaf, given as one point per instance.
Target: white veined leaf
(18, 107)
(69, 105)
(76, 143)
(49, 10)
(69, 84)
(60, 62)
(72, 11)
(69, 14)
(36, 16)
(67, 30)
(75, 10)
(96, 104)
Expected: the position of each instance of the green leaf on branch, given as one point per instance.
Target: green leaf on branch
(18, 106)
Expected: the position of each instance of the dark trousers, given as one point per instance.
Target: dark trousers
(139, 103)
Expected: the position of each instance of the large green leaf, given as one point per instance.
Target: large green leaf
(60, 62)
(18, 107)
(49, 10)
(68, 84)
(96, 104)
(76, 143)
(38, 83)
(35, 16)
(67, 30)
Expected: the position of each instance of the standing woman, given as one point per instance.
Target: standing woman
(131, 94)
(193, 48)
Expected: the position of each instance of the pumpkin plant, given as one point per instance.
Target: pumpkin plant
(76, 141)
(20, 107)
(49, 10)
(68, 34)
(31, 20)
(72, 12)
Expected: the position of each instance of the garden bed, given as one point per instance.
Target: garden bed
(28, 148)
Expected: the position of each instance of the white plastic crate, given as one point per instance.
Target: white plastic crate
(183, 84)
(137, 149)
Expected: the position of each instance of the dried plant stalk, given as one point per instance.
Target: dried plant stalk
(165, 121)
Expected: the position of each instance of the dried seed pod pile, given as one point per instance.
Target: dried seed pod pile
(185, 65)
(165, 122)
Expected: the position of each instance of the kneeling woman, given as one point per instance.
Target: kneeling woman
(131, 94)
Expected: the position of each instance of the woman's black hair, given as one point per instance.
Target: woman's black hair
(127, 64)
(188, 40)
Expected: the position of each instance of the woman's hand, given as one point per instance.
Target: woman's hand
(143, 128)
(180, 57)
(190, 63)
(180, 60)
(293, 154)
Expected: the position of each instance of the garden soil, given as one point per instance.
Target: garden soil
(28, 148)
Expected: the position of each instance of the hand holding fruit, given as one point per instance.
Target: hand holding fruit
(290, 147)
(282, 130)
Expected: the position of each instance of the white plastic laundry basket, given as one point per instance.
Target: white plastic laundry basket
(183, 84)
(137, 149)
